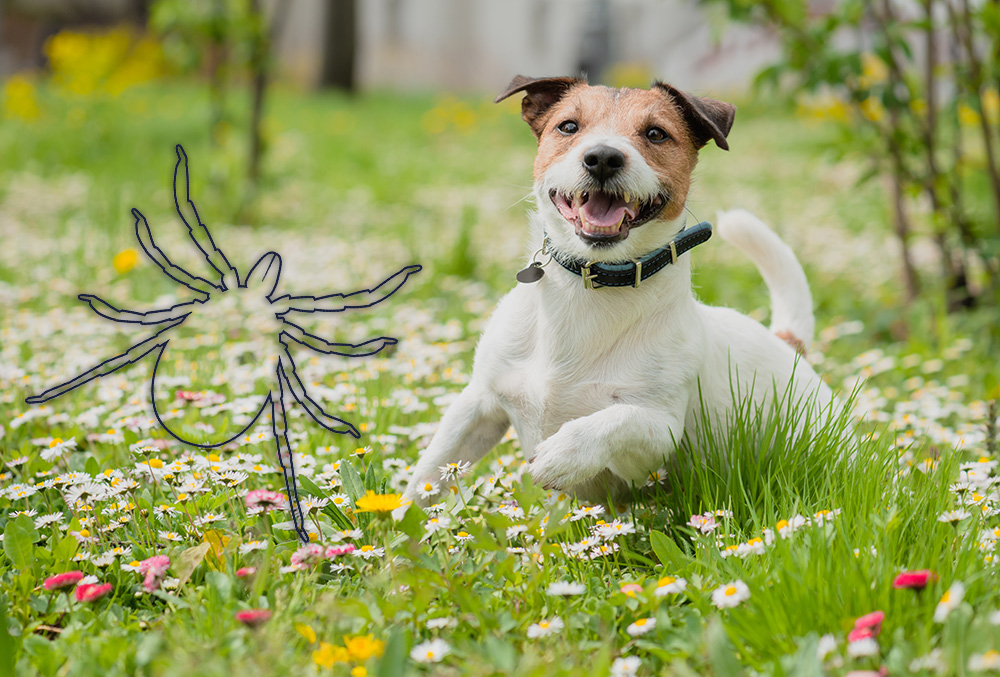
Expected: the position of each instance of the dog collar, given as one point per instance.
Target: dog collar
(625, 273)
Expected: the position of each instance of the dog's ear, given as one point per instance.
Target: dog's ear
(707, 119)
(540, 95)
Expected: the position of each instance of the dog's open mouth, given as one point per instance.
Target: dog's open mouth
(601, 217)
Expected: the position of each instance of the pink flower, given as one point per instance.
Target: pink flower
(914, 580)
(246, 571)
(860, 633)
(706, 523)
(63, 580)
(264, 499)
(867, 627)
(335, 551)
(630, 589)
(155, 569)
(306, 555)
(90, 592)
(253, 617)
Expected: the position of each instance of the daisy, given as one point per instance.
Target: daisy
(567, 589)
(452, 471)
(729, 595)
(981, 662)
(615, 528)
(586, 511)
(641, 627)
(863, 647)
(544, 628)
(433, 651)
(706, 523)
(626, 666)
(369, 552)
(949, 601)
(952, 516)
(428, 489)
(669, 585)
(435, 524)
(250, 546)
(441, 622)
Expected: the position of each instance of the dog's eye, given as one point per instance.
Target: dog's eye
(568, 127)
(656, 135)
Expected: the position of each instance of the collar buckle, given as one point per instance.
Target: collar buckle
(638, 273)
(588, 279)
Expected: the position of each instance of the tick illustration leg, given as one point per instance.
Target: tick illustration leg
(199, 232)
(156, 255)
(286, 368)
(335, 303)
(320, 345)
(130, 356)
(108, 311)
(279, 426)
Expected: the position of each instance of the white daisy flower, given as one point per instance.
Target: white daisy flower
(546, 627)
(433, 651)
(729, 595)
(626, 666)
(568, 589)
(669, 585)
(949, 601)
(641, 627)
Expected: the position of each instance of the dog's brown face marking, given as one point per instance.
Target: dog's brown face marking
(633, 114)
(611, 160)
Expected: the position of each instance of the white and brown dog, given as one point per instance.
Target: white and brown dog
(604, 361)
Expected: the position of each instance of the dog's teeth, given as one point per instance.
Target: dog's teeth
(628, 198)
(583, 220)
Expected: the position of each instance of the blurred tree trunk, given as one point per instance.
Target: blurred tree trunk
(265, 34)
(340, 45)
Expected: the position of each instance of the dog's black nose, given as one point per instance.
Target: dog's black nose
(603, 162)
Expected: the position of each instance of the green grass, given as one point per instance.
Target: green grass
(353, 189)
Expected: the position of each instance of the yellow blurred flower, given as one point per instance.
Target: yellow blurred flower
(19, 98)
(359, 671)
(125, 260)
(967, 116)
(872, 109)
(307, 632)
(919, 107)
(363, 647)
(110, 62)
(380, 503)
(822, 108)
(328, 654)
(991, 105)
(873, 70)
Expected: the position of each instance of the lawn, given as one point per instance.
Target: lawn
(765, 558)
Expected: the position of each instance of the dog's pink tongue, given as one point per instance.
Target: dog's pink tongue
(603, 209)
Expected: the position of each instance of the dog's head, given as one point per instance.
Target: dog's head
(613, 160)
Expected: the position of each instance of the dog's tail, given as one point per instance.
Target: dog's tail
(791, 302)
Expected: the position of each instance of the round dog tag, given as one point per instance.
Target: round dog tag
(533, 273)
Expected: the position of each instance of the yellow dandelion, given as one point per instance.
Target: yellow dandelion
(380, 503)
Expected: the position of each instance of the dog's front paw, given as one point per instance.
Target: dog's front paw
(566, 459)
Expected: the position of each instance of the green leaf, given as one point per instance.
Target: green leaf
(351, 480)
(721, 655)
(92, 467)
(393, 662)
(19, 542)
(371, 482)
(310, 486)
(64, 550)
(668, 552)
(188, 560)
(8, 645)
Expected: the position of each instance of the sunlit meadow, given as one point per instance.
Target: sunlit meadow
(129, 552)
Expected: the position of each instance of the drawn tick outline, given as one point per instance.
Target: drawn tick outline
(262, 280)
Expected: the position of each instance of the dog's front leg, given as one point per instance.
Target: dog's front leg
(629, 440)
(473, 424)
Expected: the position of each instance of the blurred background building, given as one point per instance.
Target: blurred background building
(453, 44)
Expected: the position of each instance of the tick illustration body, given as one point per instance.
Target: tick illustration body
(229, 305)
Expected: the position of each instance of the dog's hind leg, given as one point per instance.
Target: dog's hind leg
(473, 425)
